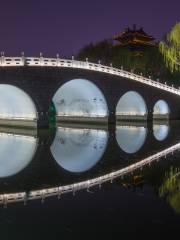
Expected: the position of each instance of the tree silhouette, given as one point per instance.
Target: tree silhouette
(170, 49)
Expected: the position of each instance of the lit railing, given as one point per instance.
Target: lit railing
(58, 191)
(57, 62)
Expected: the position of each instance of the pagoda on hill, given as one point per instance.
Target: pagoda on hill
(134, 38)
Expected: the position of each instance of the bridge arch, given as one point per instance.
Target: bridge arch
(131, 106)
(161, 110)
(80, 99)
(15, 105)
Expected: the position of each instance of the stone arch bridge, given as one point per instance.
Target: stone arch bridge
(79, 92)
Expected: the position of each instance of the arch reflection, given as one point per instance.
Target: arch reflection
(160, 131)
(130, 138)
(16, 152)
(78, 150)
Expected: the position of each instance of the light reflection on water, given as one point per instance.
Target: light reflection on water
(78, 150)
(170, 188)
(130, 138)
(160, 131)
(16, 152)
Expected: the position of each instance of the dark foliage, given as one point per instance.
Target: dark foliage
(147, 60)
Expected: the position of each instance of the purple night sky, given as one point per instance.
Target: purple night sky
(64, 26)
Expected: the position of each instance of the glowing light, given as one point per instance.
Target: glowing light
(80, 97)
(161, 107)
(78, 150)
(16, 104)
(131, 103)
(160, 132)
(130, 139)
(16, 152)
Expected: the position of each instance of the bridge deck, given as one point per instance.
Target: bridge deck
(57, 62)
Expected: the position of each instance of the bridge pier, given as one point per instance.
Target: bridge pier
(112, 122)
(112, 118)
(43, 121)
(150, 115)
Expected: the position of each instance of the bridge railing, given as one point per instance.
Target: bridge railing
(58, 62)
(43, 193)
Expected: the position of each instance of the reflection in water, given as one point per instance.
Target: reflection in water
(130, 138)
(16, 152)
(160, 131)
(170, 188)
(78, 150)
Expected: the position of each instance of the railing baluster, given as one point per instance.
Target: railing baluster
(57, 62)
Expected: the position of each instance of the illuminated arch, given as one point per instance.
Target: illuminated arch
(16, 152)
(78, 150)
(80, 97)
(130, 138)
(16, 104)
(160, 131)
(161, 109)
(131, 104)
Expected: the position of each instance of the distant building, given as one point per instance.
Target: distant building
(134, 38)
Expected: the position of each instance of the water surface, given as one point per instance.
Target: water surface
(118, 180)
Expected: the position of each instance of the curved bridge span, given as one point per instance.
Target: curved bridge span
(57, 62)
(79, 91)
